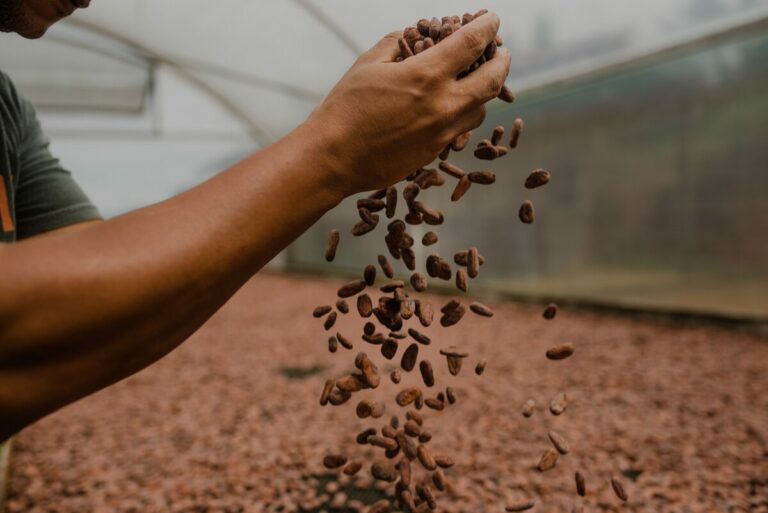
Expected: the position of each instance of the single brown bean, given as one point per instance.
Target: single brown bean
(473, 262)
(370, 372)
(364, 305)
(392, 286)
(480, 367)
(560, 443)
(423, 27)
(407, 396)
(351, 289)
(454, 365)
(445, 152)
(412, 428)
(618, 489)
(409, 258)
(517, 129)
(581, 487)
(429, 239)
(526, 213)
(415, 416)
(384, 472)
(482, 177)
(344, 341)
(333, 243)
(404, 469)
(361, 228)
(321, 311)
(391, 202)
(395, 376)
(550, 311)
(462, 186)
(352, 468)
(450, 394)
(426, 493)
(434, 404)
(461, 280)
(548, 460)
(498, 133)
(419, 337)
(450, 169)
(334, 461)
(520, 506)
(461, 141)
(560, 352)
(410, 356)
(369, 328)
(481, 309)
(438, 478)
(558, 404)
(537, 178)
(434, 29)
(389, 348)
(350, 383)
(369, 275)
(427, 374)
(408, 447)
(425, 458)
(418, 282)
(425, 437)
(330, 321)
(528, 408)
(383, 442)
(410, 192)
(342, 306)
(429, 178)
(386, 267)
(444, 461)
(452, 317)
(425, 313)
(327, 389)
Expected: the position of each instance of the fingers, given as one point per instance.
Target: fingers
(486, 81)
(386, 50)
(457, 52)
(469, 121)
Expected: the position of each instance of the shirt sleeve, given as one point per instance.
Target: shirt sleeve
(47, 197)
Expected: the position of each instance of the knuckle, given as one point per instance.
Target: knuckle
(473, 41)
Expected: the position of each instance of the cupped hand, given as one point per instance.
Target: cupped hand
(385, 119)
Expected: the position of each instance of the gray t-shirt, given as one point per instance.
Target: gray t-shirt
(37, 195)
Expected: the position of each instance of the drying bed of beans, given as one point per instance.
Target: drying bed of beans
(230, 421)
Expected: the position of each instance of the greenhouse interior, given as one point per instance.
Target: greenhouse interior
(638, 296)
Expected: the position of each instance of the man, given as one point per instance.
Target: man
(92, 301)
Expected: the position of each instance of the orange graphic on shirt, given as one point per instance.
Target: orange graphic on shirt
(5, 210)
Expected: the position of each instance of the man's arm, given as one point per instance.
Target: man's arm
(81, 310)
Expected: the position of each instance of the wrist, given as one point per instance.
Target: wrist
(328, 155)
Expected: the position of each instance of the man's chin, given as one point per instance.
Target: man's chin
(33, 33)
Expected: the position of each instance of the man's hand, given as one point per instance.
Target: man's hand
(81, 309)
(386, 119)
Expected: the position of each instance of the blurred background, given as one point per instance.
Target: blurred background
(652, 121)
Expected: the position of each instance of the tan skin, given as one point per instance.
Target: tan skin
(87, 306)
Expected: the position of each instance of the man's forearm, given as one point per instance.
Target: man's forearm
(83, 310)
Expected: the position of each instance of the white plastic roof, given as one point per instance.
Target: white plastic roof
(270, 62)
